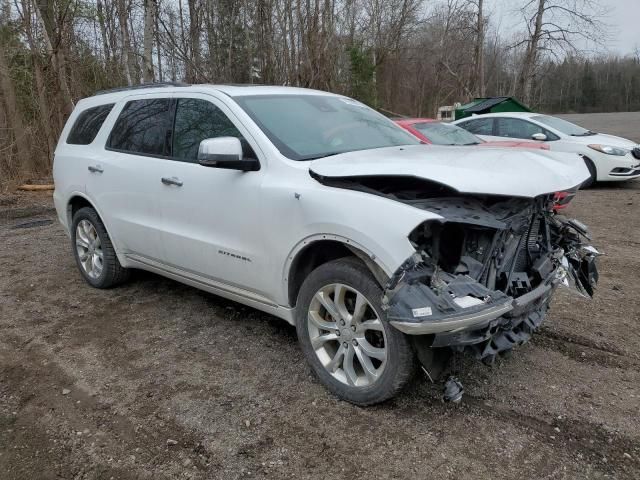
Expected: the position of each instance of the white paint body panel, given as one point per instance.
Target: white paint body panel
(578, 145)
(236, 233)
(497, 171)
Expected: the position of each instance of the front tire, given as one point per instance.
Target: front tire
(94, 253)
(345, 336)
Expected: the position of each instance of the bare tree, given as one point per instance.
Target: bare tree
(405, 56)
(16, 118)
(149, 26)
(195, 23)
(129, 61)
(103, 30)
(52, 32)
(48, 123)
(555, 27)
(478, 51)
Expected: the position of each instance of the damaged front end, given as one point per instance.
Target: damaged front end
(482, 277)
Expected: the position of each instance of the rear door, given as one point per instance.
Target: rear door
(79, 152)
(123, 181)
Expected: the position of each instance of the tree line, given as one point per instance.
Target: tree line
(401, 56)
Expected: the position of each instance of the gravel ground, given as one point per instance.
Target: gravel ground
(157, 380)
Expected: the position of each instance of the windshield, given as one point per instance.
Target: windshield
(563, 126)
(306, 127)
(446, 134)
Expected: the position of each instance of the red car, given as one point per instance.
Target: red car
(434, 132)
(439, 133)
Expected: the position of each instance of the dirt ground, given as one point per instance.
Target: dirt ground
(157, 380)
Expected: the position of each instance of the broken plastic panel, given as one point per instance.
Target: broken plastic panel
(482, 278)
(429, 301)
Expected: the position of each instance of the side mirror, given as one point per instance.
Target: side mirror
(541, 137)
(225, 152)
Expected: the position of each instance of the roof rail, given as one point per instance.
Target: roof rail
(142, 85)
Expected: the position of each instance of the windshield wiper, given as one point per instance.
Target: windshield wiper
(588, 133)
(324, 155)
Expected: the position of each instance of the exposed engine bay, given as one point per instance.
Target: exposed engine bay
(483, 275)
(482, 278)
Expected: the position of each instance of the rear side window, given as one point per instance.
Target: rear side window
(482, 126)
(144, 126)
(197, 120)
(88, 124)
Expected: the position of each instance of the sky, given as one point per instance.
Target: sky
(622, 18)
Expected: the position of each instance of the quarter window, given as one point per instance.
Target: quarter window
(144, 126)
(197, 120)
(88, 124)
(481, 126)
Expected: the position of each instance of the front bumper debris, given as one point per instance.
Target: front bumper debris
(458, 302)
(495, 293)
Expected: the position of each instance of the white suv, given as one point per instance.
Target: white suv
(609, 158)
(384, 252)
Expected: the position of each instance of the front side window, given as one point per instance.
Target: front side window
(305, 127)
(144, 127)
(197, 120)
(87, 125)
(446, 134)
(481, 126)
(517, 128)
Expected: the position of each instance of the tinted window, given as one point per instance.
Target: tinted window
(143, 127)
(517, 128)
(88, 124)
(197, 120)
(483, 126)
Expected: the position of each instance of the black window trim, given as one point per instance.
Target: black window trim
(75, 122)
(173, 105)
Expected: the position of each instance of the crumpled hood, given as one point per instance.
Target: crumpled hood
(490, 171)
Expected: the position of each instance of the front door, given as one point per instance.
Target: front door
(212, 217)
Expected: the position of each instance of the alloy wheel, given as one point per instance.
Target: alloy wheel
(89, 249)
(347, 335)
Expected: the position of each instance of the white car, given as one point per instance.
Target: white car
(316, 209)
(608, 158)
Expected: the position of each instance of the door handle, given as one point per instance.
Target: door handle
(172, 181)
(96, 169)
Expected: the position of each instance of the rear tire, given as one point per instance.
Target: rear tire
(593, 174)
(355, 352)
(94, 253)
